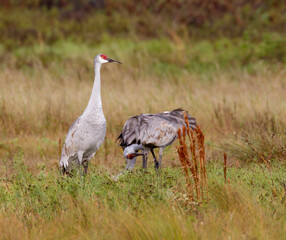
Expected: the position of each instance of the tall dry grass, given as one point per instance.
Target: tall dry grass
(38, 105)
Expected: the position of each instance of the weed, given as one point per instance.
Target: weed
(195, 169)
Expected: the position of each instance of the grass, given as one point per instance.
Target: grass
(38, 104)
(234, 86)
(141, 205)
(235, 107)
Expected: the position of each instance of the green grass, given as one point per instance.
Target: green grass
(165, 57)
(48, 198)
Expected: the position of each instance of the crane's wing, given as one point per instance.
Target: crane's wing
(69, 150)
(155, 131)
(177, 122)
(128, 133)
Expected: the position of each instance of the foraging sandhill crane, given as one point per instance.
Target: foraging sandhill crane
(148, 131)
(87, 133)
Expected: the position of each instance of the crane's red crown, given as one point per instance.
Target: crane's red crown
(103, 56)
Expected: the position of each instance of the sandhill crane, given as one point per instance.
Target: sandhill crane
(148, 131)
(87, 133)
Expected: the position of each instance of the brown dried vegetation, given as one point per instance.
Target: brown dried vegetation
(193, 164)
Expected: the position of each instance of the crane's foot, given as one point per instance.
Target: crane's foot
(156, 165)
(155, 160)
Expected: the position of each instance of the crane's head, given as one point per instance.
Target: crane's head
(101, 58)
(129, 153)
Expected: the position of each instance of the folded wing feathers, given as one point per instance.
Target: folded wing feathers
(128, 134)
(68, 150)
(154, 129)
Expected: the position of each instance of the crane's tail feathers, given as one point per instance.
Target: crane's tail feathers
(119, 137)
(64, 166)
(63, 170)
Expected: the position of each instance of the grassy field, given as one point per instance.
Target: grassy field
(235, 87)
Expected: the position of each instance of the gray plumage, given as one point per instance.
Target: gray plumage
(152, 131)
(87, 133)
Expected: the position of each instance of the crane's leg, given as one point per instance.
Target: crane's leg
(144, 163)
(145, 158)
(155, 160)
(85, 166)
(83, 162)
(160, 156)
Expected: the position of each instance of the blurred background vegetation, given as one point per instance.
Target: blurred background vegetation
(256, 28)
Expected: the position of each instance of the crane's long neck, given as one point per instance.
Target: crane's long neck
(137, 147)
(134, 148)
(95, 98)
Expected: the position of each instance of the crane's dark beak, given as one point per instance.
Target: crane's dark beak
(138, 154)
(111, 60)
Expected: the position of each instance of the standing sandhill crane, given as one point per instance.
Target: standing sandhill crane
(87, 133)
(148, 131)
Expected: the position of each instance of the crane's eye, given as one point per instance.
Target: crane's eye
(103, 56)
